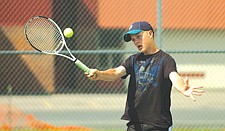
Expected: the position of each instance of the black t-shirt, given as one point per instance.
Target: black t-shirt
(148, 98)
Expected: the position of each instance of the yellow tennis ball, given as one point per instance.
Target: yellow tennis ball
(68, 32)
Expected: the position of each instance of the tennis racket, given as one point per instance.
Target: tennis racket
(44, 35)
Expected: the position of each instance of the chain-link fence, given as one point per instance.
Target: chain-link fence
(40, 89)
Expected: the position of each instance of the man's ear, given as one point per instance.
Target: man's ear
(150, 34)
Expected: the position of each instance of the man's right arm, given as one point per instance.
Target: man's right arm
(107, 75)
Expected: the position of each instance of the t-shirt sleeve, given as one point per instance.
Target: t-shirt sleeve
(169, 66)
(128, 66)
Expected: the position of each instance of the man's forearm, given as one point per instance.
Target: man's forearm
(111, 74)
(108, 75)
(178, 82)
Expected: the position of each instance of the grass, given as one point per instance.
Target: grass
(116, 130)
(178, 130)
(197, 130)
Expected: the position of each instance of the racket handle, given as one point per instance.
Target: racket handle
(82, 66)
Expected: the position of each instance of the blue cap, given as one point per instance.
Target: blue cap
(136, 28)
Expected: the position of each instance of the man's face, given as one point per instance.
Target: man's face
(142, 41)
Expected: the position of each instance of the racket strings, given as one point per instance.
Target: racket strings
(52, 41)
(44, 35)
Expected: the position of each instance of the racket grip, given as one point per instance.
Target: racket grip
(82, 66)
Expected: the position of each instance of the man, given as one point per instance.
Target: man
(152, 74)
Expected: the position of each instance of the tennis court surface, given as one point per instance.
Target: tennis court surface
(97, 111)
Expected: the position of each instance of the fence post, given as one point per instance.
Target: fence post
(159, 23)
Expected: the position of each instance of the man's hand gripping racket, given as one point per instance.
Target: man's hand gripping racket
(44, 35)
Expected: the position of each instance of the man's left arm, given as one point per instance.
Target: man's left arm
(183, 86)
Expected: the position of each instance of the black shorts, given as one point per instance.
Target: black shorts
(143, 127)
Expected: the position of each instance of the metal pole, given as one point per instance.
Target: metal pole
(159, 23)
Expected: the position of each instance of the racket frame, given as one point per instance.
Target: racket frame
(72, 58)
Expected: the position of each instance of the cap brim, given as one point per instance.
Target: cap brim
(127, 37)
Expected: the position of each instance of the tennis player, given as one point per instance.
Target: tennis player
(152, 74)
